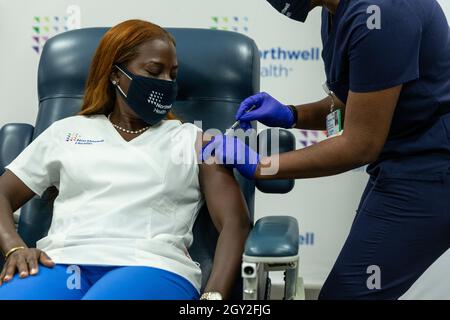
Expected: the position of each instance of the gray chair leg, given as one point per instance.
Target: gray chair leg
(255, 281)
(290, 281)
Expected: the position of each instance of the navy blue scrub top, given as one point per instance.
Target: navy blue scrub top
(411, 48)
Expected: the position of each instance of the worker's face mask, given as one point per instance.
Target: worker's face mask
(294, 9)
(151, 99)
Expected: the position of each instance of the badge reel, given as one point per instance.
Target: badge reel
(334, 118)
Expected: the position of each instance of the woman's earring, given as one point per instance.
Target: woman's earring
(114, 82)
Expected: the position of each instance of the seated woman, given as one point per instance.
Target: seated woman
(129, 188)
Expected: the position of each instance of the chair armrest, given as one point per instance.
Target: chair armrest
(273, 237)
(14, 137)
(275, 141)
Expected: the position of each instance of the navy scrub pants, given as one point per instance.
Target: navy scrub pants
(401, 227)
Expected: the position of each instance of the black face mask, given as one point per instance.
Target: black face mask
(294, 9)
(151, 99)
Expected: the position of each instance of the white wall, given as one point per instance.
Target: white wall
(445, 4)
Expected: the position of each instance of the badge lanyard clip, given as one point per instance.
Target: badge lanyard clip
(334, 118)
(331, 95)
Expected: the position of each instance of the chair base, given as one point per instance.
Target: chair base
(256, 281)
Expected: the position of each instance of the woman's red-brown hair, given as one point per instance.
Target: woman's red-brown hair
(119, 45)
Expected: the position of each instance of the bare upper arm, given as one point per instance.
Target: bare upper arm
(14, 190)
(222, 193)
(368, 119)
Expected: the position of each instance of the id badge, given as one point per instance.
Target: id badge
(334, 123)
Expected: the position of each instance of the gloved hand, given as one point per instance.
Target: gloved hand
(233, 153)
(268, 111)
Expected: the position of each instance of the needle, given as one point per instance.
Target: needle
(236, 124)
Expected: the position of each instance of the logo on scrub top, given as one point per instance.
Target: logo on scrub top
(76, 138)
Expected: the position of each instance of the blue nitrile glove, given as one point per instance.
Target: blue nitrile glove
(232, 152)
(268, 111)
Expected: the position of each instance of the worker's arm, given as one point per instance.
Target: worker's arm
(271, 112)
(312, 116)
(367, 122)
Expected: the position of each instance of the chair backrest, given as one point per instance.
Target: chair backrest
(218, 69)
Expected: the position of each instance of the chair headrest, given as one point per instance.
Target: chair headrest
(214, 65)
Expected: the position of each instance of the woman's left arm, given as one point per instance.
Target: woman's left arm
(368, 120)
(229, 213)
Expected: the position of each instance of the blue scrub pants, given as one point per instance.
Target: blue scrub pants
(64, 282)
(402, 226)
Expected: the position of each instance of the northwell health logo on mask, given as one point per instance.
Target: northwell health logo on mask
(76, 138)
(155, 98)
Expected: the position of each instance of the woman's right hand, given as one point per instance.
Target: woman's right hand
(25, 262)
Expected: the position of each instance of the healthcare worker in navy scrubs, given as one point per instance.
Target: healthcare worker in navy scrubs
(387, 65)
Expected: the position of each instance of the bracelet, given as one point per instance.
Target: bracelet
(11, 251)
(295, 113)
(211, 296)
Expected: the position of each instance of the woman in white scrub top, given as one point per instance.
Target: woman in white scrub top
(129, 188)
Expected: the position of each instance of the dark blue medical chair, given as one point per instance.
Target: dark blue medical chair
(218, 69)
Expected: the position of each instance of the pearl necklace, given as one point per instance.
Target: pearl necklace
(126, 130)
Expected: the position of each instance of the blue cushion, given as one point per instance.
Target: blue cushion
(274, 236)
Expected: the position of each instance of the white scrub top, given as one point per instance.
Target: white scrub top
(119, 202)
